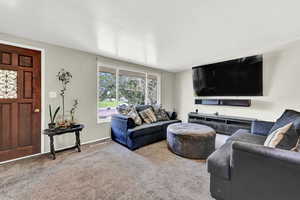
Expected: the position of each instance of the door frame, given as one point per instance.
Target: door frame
(43, 95)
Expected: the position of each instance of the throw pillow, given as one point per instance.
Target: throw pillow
(287, 117)
(140, 108)
(297, 147)
(160, 113)
(135, 116)
(148, 116)
(277, 136)
(172, 115)
(124, 109)
(291, 137)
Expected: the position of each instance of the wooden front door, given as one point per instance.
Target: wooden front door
(20, 102)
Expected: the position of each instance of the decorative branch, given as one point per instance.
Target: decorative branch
(64, 77)
(72, 111)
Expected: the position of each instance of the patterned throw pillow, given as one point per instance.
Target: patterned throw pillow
(124, 109)
(148, 116)
(135, 116)
(160, 113)
(277, 136)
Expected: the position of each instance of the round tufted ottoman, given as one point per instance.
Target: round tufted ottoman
(191, 140)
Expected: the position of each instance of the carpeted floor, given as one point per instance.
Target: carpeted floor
(106, 171)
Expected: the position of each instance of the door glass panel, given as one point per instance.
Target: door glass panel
(8, 84)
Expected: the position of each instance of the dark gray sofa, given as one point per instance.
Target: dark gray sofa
(243, 169)
(125, 132)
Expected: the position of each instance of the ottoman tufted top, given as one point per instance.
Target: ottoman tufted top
(191, 129)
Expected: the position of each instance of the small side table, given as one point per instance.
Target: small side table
(60, 131)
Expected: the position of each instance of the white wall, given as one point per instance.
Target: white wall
(281, 88)
(83, 67)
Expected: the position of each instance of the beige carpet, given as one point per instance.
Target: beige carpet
(106, 171)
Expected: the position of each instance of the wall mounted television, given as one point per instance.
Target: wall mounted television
(239, 77)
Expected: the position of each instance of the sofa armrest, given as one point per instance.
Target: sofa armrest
(121, 123)
(172, 115)
(263, 173)
(261, 127)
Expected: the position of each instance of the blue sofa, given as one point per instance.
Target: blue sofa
(125, 132)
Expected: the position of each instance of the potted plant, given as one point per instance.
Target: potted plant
(52, 117)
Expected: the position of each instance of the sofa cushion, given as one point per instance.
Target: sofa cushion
(242, 136)
(218, 163)
(153, 128)
(144, 129)
(165, 124)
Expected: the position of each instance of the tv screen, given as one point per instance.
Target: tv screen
(239, 77)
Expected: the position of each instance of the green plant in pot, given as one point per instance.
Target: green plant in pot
(52, 117)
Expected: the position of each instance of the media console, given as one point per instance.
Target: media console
(222, 124)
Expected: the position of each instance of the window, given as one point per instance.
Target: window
(152, 90)
(107, 92)
(132, 87)
(122, 86)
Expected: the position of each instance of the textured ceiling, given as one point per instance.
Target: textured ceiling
(168, 34)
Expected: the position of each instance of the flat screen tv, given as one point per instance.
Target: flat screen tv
(239, 77)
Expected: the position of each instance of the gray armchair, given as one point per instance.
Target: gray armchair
(243, 169)
(264, 173)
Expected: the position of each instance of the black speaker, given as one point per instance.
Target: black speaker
(224, 102)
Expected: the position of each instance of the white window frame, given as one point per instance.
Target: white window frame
(118, 68)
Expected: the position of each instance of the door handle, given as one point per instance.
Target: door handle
(36, 110)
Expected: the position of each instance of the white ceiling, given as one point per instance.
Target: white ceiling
(169, 34)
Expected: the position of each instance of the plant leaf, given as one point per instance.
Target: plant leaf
(55, 113)
(50, 111)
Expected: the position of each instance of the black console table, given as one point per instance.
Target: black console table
(222, 124)
(59, 131)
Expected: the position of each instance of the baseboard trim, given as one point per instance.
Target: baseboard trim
(47, 152)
